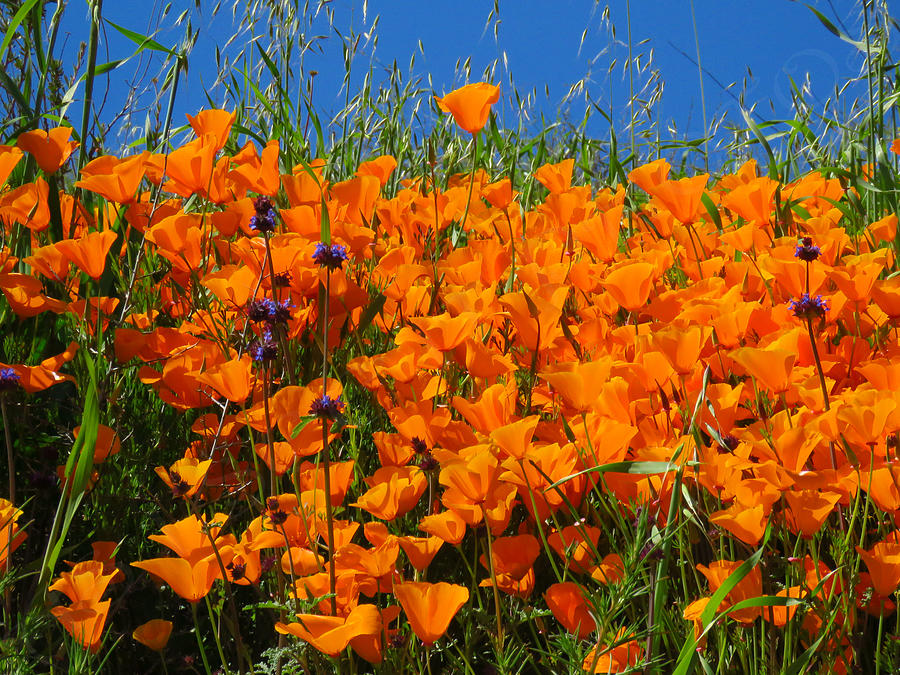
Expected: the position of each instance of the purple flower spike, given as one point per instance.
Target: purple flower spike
(808, 307)
(330, 256)
(806, 250)
(9, 379)
(327, 407)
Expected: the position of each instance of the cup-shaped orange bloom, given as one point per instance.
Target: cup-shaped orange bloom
(85, 617)
(514, 556)
(470, 105)
(154, 634)
(744, 522)
(185, 476)
(630, 284)
(50, 149)
(430, 607)
(394, 491)
(331, 634)
(748, 587)
(566, 601)
(621, 658)
(771, 367)
(232, 379)
(10, 535)
(883, 563)
(445, 332)
(9, 157)
(216, 123)
(190, 580)
(681, 197)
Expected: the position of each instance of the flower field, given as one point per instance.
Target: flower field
(274, 413)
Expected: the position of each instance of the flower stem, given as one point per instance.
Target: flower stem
(10, 458)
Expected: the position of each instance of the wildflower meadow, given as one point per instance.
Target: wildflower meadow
(287, 394)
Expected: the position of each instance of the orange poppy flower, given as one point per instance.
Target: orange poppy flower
(27, 205)
(681, 198)
(567, 602)
(447, 525)
(770, 367)
(430, 607)
(421, 550)
(514, 556)
(9, 157)
(154, 634)
(622, 657)
(216, 123)
(89, 252)
(190, 167)
(381, 167)
(808, 509)
(883, 563)
(232, 379)
(556, 177)
(10, 535)
(630, 284)
(113, 179)
(331, 634)
(50, 149)
(185, 476)
(748, 587)
(747, 523)
(393, 491)
(444, 332)
(85, 617)
(470, 105)
(647, 176)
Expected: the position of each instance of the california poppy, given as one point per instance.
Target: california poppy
(430, 607)
(567, 602)
(331, 634)
(154, 634)
(50, 149)
(470, 105)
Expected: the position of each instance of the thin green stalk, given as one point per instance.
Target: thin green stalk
(96, 8)
(203, 656)
(10, 457)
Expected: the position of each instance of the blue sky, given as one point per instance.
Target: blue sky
(755, 51)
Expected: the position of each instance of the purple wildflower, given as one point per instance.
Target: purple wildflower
(327, 407)
(263, 349)
(9, 379)
(806, 250)
(809, 307)
(330, 256)
(264, 220)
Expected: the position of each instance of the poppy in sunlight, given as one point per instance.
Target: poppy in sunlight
(85, 617)
(470, 105)
(9, 157)
(50, 149)
(331, 634)
(185, 476)
(11, 537)
(393, 491)
(430, 607)
(883, 563)
(567, 602)
(621, 657)
(154, 634)
(215, 123)
(630, 284)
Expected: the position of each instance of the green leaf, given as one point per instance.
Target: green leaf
(17, 19)
(142, 41)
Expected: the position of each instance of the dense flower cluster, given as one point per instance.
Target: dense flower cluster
(541, 388)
